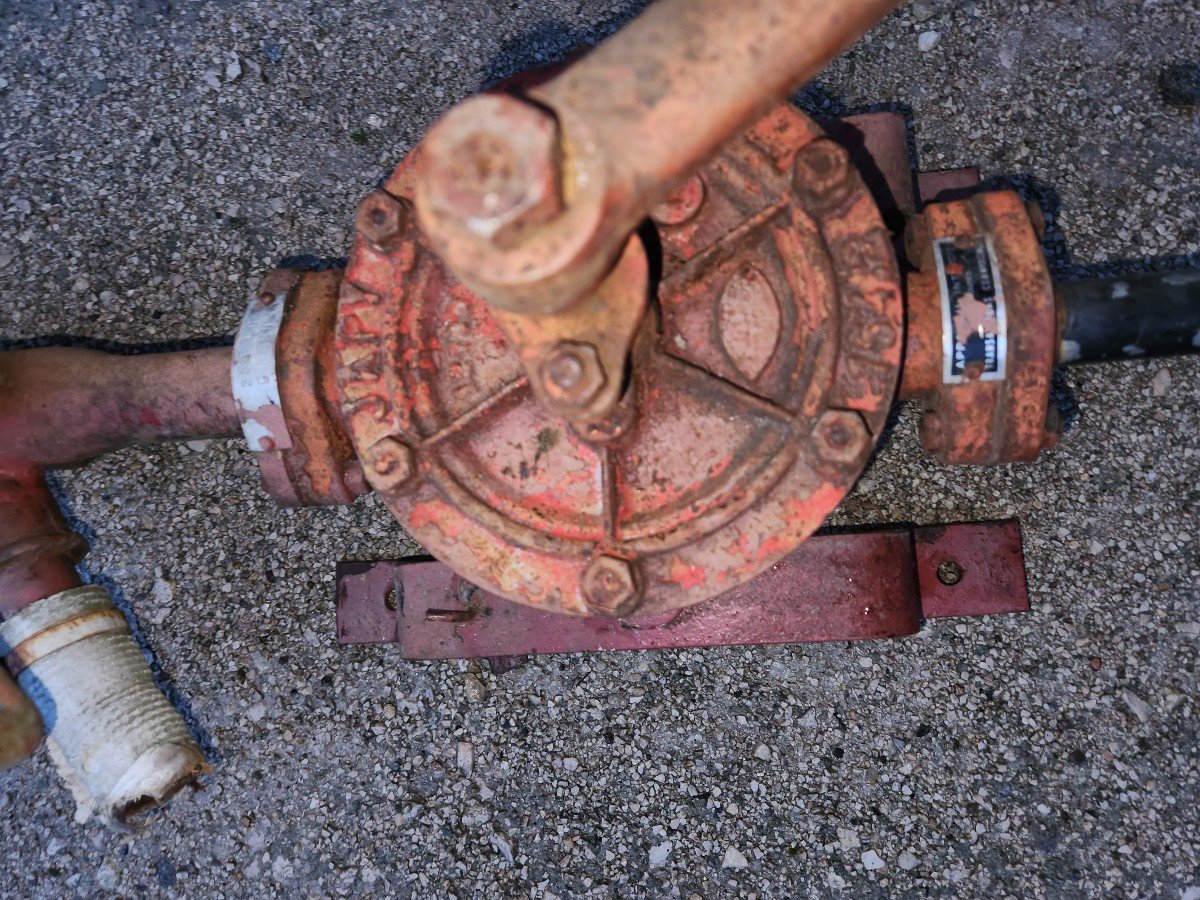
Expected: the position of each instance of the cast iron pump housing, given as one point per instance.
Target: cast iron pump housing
(612, 341)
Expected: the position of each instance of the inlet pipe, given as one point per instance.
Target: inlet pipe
(117, 742)
(64, 406)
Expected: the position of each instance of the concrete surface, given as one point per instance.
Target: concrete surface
(157, 157)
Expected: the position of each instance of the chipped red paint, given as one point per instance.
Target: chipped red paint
(778, 306)
(319, 466)
(980, 422)
(839, 587)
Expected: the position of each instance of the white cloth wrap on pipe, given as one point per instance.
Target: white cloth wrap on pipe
(117, 742)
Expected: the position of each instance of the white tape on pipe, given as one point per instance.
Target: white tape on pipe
(117, 742)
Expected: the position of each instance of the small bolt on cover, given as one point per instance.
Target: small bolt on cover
(379, 218)
(822, 174)
(610, 586)
(572, 374)
(682, 204)
(840, 436)
(389, 464)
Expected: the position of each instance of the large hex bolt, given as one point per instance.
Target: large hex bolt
(492, 167)
(379, 219)
(822, 175)
(610, 586)
(390, 464)
(840, 436)
(682, 204)
(572, 374)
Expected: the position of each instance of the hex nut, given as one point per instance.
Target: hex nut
(492, 168)
(389, 464)
(840, 436)
(682, 204)
(610, 586)
(572, 375)
(822, 175)
(379, 218)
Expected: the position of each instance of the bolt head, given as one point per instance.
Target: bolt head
(491, 167)
(610, 586)
(379, 218)
(390, 464)
(840, 436)
(572, 374)
(822, 174)
(949, 573)
(682, 204)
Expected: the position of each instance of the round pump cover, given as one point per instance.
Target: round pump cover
(757, 387)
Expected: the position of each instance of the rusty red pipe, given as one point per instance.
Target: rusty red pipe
(62, 407)
(38, 550)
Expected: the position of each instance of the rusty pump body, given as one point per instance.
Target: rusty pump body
(613, 341)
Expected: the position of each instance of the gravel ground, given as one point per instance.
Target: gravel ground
(158, 157)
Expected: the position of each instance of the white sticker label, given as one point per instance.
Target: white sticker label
(974, 328)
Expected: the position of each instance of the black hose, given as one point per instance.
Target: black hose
(1130, 317)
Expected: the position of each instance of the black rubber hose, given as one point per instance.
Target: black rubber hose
(1130, 317)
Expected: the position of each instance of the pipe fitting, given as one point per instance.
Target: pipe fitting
(283, 382)
(120, 746)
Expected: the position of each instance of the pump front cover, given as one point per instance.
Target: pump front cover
(757, 386)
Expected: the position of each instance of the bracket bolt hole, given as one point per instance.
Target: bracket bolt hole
(949, 573)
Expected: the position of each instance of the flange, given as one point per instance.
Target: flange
(756, 388)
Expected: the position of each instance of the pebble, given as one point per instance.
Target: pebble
(872, 861)
(1137, 706)
(928, 40)
(733, 859)
(1160, 384)
(922, 10)
(763, 752)
(256, 712)
(163, 592)
(465, 757)
(659, 854)
(476, 816)
(503, 846)
(908, 860)
(474, 688)
(164, 872)
(106, 878)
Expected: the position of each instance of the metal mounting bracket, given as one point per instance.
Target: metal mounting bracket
(849, 586)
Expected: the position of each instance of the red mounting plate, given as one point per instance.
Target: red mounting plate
(834, 587)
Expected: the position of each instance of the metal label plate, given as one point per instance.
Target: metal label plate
(974, 326)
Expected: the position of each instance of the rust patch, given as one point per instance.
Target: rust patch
(757, 383)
